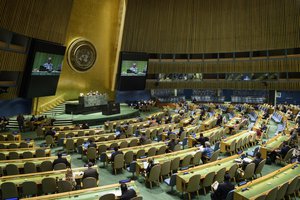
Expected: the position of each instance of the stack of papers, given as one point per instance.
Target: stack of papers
(247, 160)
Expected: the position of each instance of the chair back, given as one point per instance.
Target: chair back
(261, 197)
(29, 167)
(113, 145)
(162, 150)
(49, 185)
(80, 133)
(13, 155)
(140, 153)
(214, 156)
(2, 156)
(249, 171)
(232, 170)
(91, 153)
(40, 153)
(128, 157)
(29, 188)
(154, 173)
(230, 195)
(9, 190)
(46, 166)
(186, 160)
(109, 196)
(133, 143)
(288, 156)
(59, 166)
(23, 145)
(175, 164)
(197, 158)
(49, 140)
(64, 186)
(260, 167)
(177, 147)
(220, 175)
(70, 144)
(137, 198)
(165, 168)
(10, 137)
(102, 148)
(194, 183)
(89, 182)
(118, 161)
(152, 151)
(2, 138)
(123, 144)
(13, 146)
(11, 169)
(292, 186)
(209, 179)
(79, 142)
(111, 137)
(217, 146)
(281, 191)
(272, 194)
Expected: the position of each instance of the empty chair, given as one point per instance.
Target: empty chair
(133, 143)
(111, 137)
(49, 185)
(128, 157)
(2, 138)
(91, 154)
(59, 166)
(92, 132)
(177, 147)
(118, 162)
(89, 182)
(29, 188)
(208, 181)
(101, 139)
(214, 156)
(70, 135)
(175, 164)
(13, 155)
(113, 145)
(287, 157)
(9, 190)
(281, 191)
(13, 146)
(140, 153)
(261, 197)
(272, 194)
(23, 145)
(232, 171)
(220, 175)
(10, 137)
(122, 136)
(27, 154)
(197, 158)
(29, 167)
(186, 161)
(2, 146)
(165, 169)
(109, 196)
(193, 185)
(162, 150)
(2, 156)
(64, 186)
(171, 181)
(249, 171)
(91, 139)
(80, 133)
(123, 144)
(60, 138)
(11, 169)
(153, 175)
(132, 168)
(291, 190)
(70, 146)
(102, 148)
(152, 151)
(49, 140)
(259, 168)
(238, 145)
(40, 153)
(46, 166)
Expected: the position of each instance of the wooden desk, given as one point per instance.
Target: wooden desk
(85, 131)
(135, 149)
(183, 177)
(272, 144)
(120, 122)
(257, 124)
(87, 194)
(188, 129)
(39, 176)
(108, 143)
(17, 137)
(232, 122)
(86, 138)
(60, 128)
(241, 135)
(7, 143)
(208, 122)
(165, 157)
(37, 161)
(266, 183)
(208, 133)
(22, 150)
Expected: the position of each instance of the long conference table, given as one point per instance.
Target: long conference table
(272, 144)
(87, 194)
(39, 176)
(208, 133)
(183, 177)
(225, 143)
(20, 151)
(266, 183)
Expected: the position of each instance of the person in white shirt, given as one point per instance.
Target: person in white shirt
(133, 68)
(48, 65)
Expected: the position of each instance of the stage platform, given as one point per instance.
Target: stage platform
(98, 118)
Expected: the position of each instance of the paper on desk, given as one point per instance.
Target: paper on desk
(215, 185)
(145, 165)
(248, 160)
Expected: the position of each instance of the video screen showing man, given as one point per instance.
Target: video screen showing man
(133, 68)
(47, 64)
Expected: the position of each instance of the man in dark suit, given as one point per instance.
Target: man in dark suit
(60, 159)
(149, 167)
(223, 189)
(171, 145)
(90, 172)
(116, 152)
(257, 159)
(201, 140)
(127, 194)
(280, 152)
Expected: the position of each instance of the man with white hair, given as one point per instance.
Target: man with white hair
(207, 152)
(48, 65)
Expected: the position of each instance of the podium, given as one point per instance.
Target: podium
(111, 108)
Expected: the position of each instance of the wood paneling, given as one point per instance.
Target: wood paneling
(195, 26)
(42, 19)
(12, 61)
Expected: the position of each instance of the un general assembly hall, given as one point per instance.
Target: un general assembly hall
(149, 99)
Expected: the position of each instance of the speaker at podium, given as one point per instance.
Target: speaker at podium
(111, 108)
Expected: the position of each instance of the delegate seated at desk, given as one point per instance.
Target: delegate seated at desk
(127, 194)
(60, 159)
(207, 152)
(280, 152)
(223, 189)
(90, 172)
